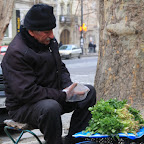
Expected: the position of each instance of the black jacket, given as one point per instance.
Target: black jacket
(33, 72)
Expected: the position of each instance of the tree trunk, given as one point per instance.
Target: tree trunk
(120, 68)
(6, 9)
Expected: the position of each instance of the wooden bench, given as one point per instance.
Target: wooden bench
(22, 128)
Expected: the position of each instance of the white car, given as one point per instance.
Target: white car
(69, 51)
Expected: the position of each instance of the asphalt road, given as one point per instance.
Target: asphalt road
(82, 70)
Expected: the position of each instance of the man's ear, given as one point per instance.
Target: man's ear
(31, 32)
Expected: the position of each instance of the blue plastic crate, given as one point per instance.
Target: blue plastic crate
(106, 139)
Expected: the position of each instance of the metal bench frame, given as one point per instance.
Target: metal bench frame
(21, 134)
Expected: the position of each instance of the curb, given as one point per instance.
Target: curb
(89, 55)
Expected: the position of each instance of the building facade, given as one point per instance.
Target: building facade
(68, 16)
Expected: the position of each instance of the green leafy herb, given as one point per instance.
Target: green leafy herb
(112, 117)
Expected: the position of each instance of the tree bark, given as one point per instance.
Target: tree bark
(6, 9)
(120, 68)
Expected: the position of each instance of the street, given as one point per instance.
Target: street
(82, 71)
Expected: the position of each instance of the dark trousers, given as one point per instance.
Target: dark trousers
(46, 115)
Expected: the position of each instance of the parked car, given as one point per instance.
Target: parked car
(69, 51)
(3, 112)
(3, 49)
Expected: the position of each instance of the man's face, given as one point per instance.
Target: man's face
(43, 37)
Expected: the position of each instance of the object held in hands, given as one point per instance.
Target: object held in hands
(79, 93)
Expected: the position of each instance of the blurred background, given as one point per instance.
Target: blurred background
(77, 21)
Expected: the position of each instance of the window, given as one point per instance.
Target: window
(68, 9)
(8, 32)
(62, 8)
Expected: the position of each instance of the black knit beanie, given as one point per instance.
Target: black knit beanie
(40, 18)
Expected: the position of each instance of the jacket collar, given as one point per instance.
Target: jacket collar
(32, 42)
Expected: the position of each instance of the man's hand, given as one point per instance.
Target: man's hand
(70, 91)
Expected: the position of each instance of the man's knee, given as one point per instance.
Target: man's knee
(92, 91)
(90, 100)
(91, 88)
(49, 106)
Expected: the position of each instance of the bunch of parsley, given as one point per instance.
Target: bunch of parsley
(112, 117)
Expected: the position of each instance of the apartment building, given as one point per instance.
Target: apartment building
(68, 16)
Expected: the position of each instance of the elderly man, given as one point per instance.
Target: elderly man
(37, 83)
